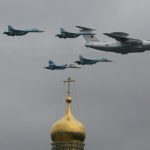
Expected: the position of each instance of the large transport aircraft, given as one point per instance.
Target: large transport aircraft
(122, 44)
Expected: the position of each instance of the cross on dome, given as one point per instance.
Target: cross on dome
(69, 81)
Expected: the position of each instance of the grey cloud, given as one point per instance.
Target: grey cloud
(112, 99)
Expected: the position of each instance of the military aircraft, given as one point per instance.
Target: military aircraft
(64, 34)
(122, 44)
(52, 66)
(15, 32)
(85, 61)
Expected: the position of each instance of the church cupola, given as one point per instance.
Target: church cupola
(68, 132)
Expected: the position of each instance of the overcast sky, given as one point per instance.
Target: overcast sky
(111, 99)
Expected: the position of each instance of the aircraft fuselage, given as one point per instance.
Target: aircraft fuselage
(52, 67)
(118, 47)
(87, 62)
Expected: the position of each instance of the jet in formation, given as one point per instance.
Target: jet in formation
(52, 66)
(122, 44)
(65, 34)
(85, 61)
(15, 32)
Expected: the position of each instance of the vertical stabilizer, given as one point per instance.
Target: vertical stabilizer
(51, 63)
(62, 30)
(90, 36)
(80, 57)
(10, 28)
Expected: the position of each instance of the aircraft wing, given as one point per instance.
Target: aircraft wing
(85, 28)
(87, 60)
(32, 30)
(119, 36)
(106, 60)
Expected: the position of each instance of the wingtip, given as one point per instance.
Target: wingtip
(109, 61)
(85, 28)
(105, 33)
(41, 31)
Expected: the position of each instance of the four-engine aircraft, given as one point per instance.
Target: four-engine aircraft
(65, 34)
(52, 66)
(123, 44)
(85, 61)
(15, 32)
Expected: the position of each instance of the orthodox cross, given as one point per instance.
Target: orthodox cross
(69, 81)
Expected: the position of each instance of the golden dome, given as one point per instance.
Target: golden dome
(68, 129)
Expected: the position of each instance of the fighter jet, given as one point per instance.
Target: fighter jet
(85, 61)
(122, 44)
(64, 34)
(52, 66)
(15, 32)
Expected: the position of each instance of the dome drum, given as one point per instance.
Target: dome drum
(67, 145)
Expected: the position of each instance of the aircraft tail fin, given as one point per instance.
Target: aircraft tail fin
(51, 63)
(80, 57)
(90, 36)
(10, 27)
(62, 30)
